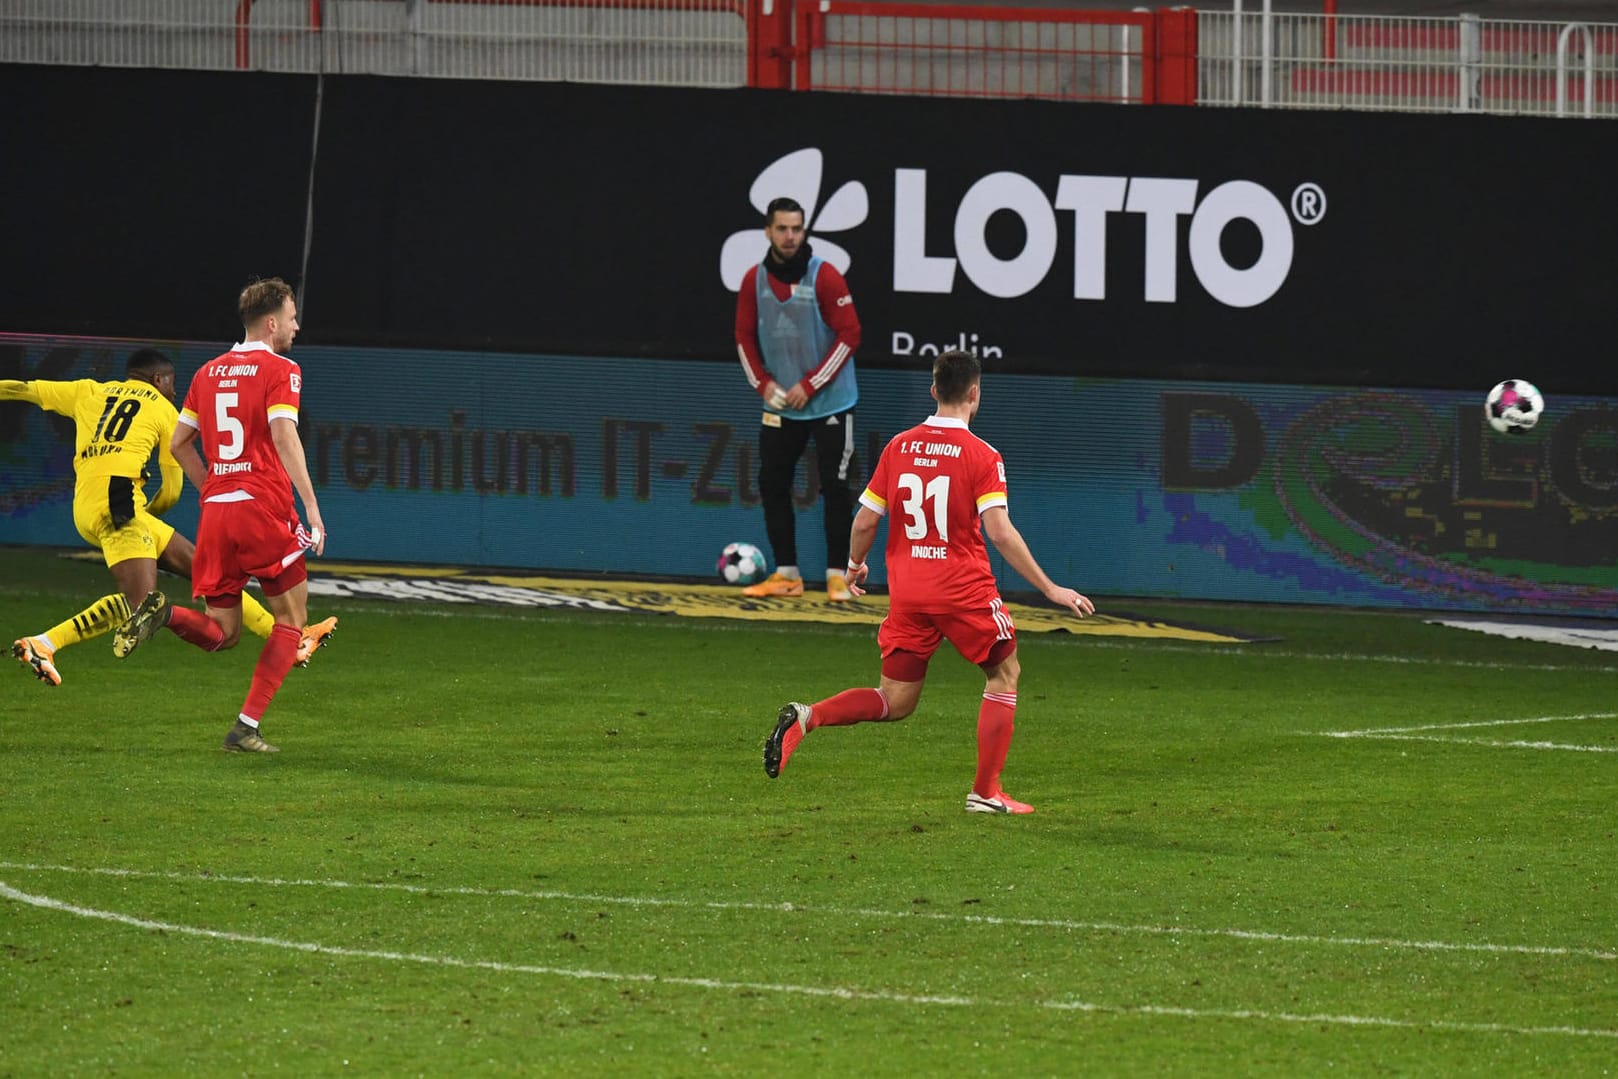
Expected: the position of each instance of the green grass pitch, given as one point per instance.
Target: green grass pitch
(528, 842)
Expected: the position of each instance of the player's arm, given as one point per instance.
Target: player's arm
(173, 479)
(1009, 542)
(747, 350)
(284, 433)
(58, 397)
(15, 389)
(183, 448)
(861, 538)
(862, 533)
(837, 308)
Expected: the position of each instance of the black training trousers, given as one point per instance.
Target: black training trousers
(779, 449)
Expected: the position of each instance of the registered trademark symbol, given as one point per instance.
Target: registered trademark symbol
(1308, 204)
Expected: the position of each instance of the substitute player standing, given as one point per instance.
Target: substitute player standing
(942, 482)
(796, 334)
(243, 406)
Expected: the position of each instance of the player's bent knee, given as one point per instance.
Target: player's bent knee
(905, 706)
(225, 610)
(1002, 668)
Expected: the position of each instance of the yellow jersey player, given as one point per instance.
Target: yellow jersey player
(117, 427)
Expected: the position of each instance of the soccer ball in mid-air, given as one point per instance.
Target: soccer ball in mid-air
(742, 563)
(1513, 406)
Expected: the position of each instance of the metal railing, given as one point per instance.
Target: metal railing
(900, 48)
(1237, 57)
(644, 42)
(1463, 64)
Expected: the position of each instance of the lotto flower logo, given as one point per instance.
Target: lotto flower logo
(797, 176)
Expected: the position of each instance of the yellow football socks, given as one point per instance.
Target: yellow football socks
(98, 618)
(255, 618)
(111, 611)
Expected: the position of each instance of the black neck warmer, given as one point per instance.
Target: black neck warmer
(792, 270)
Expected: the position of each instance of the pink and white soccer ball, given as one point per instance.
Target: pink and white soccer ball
(742, 563)
(1513, 406)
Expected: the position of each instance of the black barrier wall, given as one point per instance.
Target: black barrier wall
(144, 199)
(1289, 247)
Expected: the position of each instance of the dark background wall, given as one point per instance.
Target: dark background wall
(589, 220)
(504, 287)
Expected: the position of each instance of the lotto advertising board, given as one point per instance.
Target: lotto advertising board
(1123, 487)
(1322, 248)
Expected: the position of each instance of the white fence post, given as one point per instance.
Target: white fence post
(418, 44)
(1470, 78)
(1125, 83)
(1562, 40)
(1238, 77)
(1266, 54)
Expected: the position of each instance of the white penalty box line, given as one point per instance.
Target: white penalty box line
(1608, 955)
(834, 992)
(1437, 732)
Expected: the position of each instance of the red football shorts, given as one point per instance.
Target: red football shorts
(984, 636)
(238, 540)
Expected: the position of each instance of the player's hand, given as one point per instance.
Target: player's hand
(1073, 601)
(855, 576)
(797, 397)
(317, 533)
(774, 395)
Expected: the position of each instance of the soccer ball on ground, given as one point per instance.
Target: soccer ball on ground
(1513, 406)
(742, 563)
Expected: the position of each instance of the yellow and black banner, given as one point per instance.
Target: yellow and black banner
(441, 584)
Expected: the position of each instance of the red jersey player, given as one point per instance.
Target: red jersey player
(941, 481)
(243, 408)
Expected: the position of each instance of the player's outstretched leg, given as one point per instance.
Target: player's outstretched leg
(151, 616)
(791, 724)
(315, 635)
(244, 738)
(38, 650)
(40, 656)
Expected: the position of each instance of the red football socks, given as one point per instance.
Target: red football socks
(196, 628)
(996, 719)
(279, 653)
(849, 706)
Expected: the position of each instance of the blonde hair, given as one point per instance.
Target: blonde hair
(261, 297)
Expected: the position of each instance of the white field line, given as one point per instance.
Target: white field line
(1474, 723)
(833, 992)
(47, 903)
(1569, 951)
(1418, 733)
(1489, 743)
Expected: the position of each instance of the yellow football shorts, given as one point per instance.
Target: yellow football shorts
(143, 537)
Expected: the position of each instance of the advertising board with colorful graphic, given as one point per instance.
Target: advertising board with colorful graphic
(645, 467)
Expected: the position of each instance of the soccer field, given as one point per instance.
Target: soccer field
(509, 841)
